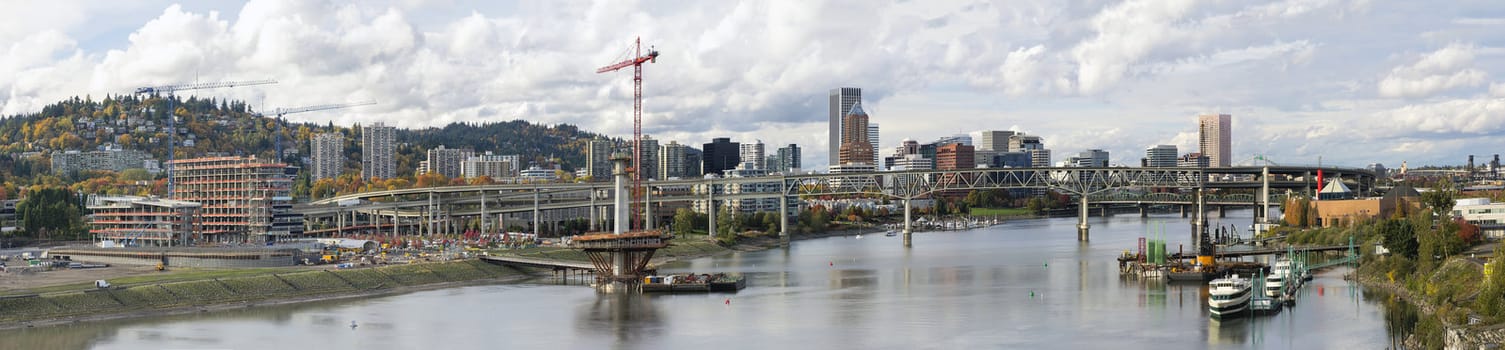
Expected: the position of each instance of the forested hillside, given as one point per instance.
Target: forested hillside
(220, 127)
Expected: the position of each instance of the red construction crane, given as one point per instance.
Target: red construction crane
(636, 62)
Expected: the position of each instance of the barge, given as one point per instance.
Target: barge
(693, 283)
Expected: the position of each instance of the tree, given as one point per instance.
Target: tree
(1441, 198)
(728, 222)
(54, 211)
(684, 221)
(1399, 236)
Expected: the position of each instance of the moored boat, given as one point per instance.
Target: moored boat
(1229, 296)
(1280, 274)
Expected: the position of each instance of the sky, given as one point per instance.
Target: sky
(1341, 82)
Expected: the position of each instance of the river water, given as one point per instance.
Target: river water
(1026, 284)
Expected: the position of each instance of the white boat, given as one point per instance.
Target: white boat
(1280, 274)
(1229, 296)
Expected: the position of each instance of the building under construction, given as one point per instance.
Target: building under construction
(142, 221)
(242, 198)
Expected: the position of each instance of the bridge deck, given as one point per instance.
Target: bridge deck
(536, 262)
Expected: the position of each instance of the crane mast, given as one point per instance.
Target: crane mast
(636, 62)
(172, 113)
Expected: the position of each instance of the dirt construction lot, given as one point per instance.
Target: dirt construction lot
(18, 280)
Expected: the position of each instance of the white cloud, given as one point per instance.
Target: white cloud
(1117, 75)
(1445, 69)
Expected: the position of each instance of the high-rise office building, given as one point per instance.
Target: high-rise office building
(449, 162)
(753, 154)
(1216, 139)
(789, 158)
(694, 164)
(1034, 145)
(1193, 160)
(378, 151)
(954, 156)
(1040, 157)
(1161, 156)
(598, 159)
(995, 140)
(855, 147)
(958, 138)
(1089, 158)
(842, 100)
(648, 158)
(872, 138)
(720, 155)
(672, 160)
(328, 155)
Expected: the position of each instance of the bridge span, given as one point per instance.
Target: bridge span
(436, 206)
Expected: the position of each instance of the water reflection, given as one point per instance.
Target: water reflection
(1026, 284)
(627, 317)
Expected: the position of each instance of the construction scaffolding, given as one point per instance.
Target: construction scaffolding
(240, 196)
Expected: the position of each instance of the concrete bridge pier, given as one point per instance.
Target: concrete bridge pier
(908, 230)
(1183, 211)
(1222, 211)
(647, 207)
(710, 204)
(1144, 211)
(1081, 228)
(592, 210)
(783, 218)
(1104, 211)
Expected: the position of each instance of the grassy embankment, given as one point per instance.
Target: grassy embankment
(220, 287)
(1003, 212)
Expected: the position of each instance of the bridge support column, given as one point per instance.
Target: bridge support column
(783, 217)
(1104, 211)
(537, 231)
(1222, 211)
(1081, 227)
(619, 173)
(1144, 211)
(1183, 211)
(647, 207)
(710, 205)
(484, 223)
(908, 226)
(593, 211)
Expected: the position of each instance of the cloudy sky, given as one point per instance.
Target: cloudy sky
(1349, 81)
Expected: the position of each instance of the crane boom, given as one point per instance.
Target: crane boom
(285, 111)
(195, 86)
(172, 129)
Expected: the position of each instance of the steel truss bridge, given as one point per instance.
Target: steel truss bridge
(432, 208)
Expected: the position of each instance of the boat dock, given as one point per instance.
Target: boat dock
(1262, 251)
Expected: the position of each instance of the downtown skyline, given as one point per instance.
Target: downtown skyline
(1350, 82)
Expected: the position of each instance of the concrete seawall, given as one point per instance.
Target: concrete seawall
(294, 286)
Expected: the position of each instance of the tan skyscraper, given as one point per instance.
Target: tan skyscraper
(1216, 139)
(855, 148)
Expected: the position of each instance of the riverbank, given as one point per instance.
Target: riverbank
(215, 290)
(1443, 324)
(294, 286)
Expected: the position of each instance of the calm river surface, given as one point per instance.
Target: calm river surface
(1027, 284)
